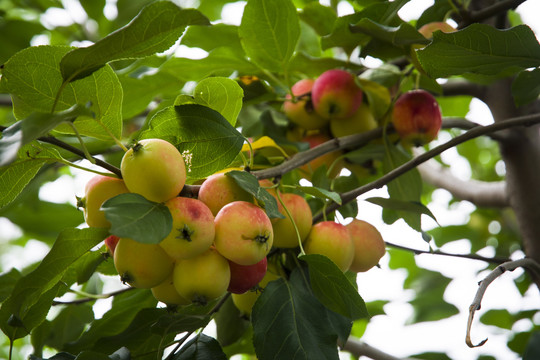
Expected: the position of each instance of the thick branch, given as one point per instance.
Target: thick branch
(360, 348)
(460, 87)
(526, 263)
(469, 17)
(480, 193)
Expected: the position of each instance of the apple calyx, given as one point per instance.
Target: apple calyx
(199, 300)
(185, 233)
(126, 278)
(137, 147)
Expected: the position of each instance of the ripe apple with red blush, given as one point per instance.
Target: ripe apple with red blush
(417, 117)
(336, 94)
(301, 111)
(332, 240)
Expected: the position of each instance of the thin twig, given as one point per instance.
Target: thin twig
(359, 348)
(527, 263)
(490, 11)
(492, 260)
(89, 299)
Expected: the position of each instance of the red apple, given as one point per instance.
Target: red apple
(301, 111)
(369, 245)
(284, 233)
(417, 117)
(332, 240)
(110, 243)
(335, 94)
(192, 231)
(245, 277)
(244, 233)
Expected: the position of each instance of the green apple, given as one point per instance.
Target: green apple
(202, 278)
(155, 169)
(284, 232)
(96, 191)
(219, 190)
(167, 294)
(361, 121)
(141, 265)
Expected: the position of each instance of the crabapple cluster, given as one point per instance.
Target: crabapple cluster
(333, 105)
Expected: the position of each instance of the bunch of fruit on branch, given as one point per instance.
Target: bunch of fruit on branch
(222, 240)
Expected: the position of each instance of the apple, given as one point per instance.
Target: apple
(301, 111)
(245, 301)
(244, 233)
(284, 232)
(361, 121)
(202, 278)
(96, 191)
(332, 240)
(328, 159)
(141, 265)
(110, 243)
(417, 117)
(269, 186)
(219, 190)
(336, 94)
(155, 169)
(245, 277)
(192, 230)
(166, 293)
(428, 29)
(369, 245)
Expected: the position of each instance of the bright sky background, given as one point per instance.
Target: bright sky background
(385, 332)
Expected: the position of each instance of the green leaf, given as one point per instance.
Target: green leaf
(366, 153)
(249, 183)
(221, 94)
(187, 318)
(407, 187)
(498, 317)
(482, 50)
(269, 32)
(526, 87)
(15, 177)
(42, 282)
(321, 193)
(321, 18)
(7, 283)
(201, 347)
(117, 319)
(402, 36)
(155, 29)
(33, 78)
(132, 216)
(15, 35)
(68, 325)
(31, 128)
(202, 133)
(409, 206)
(289, 322)
(532, 351)
(333, 289)
(230, 326)
(211, 37)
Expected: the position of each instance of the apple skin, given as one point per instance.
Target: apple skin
(284, 233)
(369, 245)
(155, 169)
(332, 240)
(301, 111)
(193, 228)
(96, 191)
(167, 294)
(244, 233)
(141, 265)
(244, 302)
(335, 94)
(269, 186)
(202, 278)
(428, 29)
(110, 243)
(245, 277)
(417, 117)
(219, 190)
(327, 159)
(361, 121)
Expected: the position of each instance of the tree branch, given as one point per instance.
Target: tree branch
(469, 17)
(460, 87)
(480, 193)
(360, 348)
(527, 263)
(492, 260)
(411, 164)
